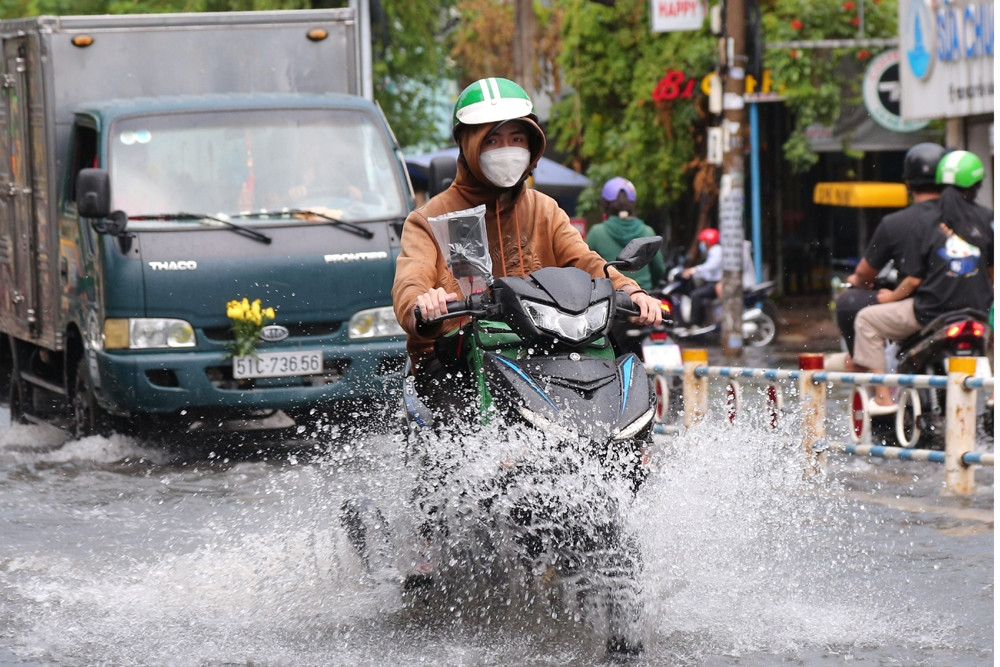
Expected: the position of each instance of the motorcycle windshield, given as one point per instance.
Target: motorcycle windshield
(461, 237)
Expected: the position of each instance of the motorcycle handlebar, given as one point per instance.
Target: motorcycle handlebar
(624, 306)
(455, 309)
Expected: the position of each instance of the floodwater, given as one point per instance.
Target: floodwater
(116, 551)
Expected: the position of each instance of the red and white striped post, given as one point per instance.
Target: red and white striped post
(813, 401)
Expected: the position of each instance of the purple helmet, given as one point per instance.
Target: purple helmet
(616, 185)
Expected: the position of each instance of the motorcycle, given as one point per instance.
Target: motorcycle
(920, 415)
(759, 320)
(566, 421)
(919, 418)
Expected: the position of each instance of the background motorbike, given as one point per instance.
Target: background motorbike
(760, 314)
(919, 420)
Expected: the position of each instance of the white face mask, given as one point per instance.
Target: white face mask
(504, 167)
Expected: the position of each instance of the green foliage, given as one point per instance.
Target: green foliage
(610, 121)
(411, 68)
(812, 80)
(612, 62)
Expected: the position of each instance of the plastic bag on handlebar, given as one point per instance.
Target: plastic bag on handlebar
(461, 236)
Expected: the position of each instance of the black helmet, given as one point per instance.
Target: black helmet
(920, 164)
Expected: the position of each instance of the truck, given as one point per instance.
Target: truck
(157, 169)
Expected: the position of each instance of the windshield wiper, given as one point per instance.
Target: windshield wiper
(180, 215)
(336, 222)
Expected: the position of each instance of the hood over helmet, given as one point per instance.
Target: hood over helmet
(482, 108)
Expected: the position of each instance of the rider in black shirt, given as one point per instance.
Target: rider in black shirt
(949, 262)
(891, 234)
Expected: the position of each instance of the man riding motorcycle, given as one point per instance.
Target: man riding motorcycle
(887, 242)
(620, 226)
(709, 273)
(948, 260)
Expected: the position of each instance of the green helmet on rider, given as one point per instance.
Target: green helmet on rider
(963, 169)
(480, 115)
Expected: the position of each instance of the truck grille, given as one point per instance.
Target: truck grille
(295, 330)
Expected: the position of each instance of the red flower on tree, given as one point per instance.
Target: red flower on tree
(855, 21)
(863, 54)
(847, 6)
(796, 24)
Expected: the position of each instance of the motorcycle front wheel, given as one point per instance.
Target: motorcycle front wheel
(766, 327)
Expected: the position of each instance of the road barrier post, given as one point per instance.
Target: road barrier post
(960, 426)
(813, 401)
(695, 388)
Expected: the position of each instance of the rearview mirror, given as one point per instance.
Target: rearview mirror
(637, 253)
(93, 193)
(440, 174)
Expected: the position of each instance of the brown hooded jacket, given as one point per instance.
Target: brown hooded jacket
(526, 230)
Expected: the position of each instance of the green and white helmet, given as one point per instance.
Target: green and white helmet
(960, 168)
(490, 101)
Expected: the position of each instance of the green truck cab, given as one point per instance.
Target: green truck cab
(156, 168)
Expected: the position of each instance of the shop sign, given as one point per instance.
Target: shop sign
(946, 69)
(881, 93)
(678, 85)
(677, 15)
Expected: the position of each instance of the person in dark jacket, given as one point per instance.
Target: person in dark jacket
(621, 226)
(890, 236)
(948, 261)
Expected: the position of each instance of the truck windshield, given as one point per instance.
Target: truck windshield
(235, 162)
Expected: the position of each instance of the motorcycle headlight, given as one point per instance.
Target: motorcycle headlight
(636, 426)
(562, 324)
(147, 333)
(374, 323)
(547, 425)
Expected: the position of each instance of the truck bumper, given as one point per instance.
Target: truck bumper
(170, 382)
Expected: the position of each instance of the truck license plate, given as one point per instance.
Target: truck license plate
(278, 364)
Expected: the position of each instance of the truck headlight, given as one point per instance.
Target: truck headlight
(374, 323)
(144, 333)
(565, 325)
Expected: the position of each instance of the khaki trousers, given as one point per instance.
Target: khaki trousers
(877, 324)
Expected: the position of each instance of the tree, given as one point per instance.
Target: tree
(411, 67)
(610, 123)
(810, 78)
(484, 43)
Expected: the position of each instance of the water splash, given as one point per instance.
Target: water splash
(747, 552)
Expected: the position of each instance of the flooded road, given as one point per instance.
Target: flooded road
(117, 552)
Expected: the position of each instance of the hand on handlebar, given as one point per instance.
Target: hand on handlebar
(649, 309)
(433, 303)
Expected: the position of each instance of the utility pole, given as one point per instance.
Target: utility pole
(733, 62)
(524, 45)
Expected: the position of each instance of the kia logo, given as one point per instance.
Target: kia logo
(273, 333)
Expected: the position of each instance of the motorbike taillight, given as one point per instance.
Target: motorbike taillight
(658, 336)
(966, 328)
